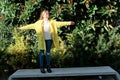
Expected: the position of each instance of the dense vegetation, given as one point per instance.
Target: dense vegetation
(93, 41)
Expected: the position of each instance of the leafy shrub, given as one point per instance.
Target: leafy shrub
(92, 41)
(19, 51)
(94, 49)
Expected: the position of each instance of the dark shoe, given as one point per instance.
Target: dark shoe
(42, 70)
(49, 69)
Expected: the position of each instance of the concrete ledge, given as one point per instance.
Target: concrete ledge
(66, 72)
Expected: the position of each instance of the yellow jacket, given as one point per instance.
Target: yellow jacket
(38, 26)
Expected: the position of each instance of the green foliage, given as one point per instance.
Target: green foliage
(94, 40)
(107, 42)
(19, 52)
(19, 45)
(94, 49)
(61, 60)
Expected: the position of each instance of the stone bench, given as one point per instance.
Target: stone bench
(66, 72)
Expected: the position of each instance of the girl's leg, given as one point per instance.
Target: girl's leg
(41, 57)
(48, 48)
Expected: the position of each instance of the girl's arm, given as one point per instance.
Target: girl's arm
(30, 26)
(64, 23)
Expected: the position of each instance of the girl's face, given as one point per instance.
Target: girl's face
(45, 15)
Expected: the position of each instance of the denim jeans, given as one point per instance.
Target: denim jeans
(41, 54)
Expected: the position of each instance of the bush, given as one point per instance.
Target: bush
(94, 49)
(19, 52)
(94, 40)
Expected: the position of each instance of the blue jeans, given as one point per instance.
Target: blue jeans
(41, 54)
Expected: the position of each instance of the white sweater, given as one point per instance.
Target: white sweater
(47, 33)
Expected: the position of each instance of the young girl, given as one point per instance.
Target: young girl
(46, 30)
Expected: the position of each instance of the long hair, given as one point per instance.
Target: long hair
(41, 14)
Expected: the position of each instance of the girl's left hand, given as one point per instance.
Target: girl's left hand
(72, 23)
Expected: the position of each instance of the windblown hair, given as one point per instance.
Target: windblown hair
(42, 13)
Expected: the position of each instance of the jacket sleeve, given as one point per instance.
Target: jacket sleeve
(30, 26)
(62, 23)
